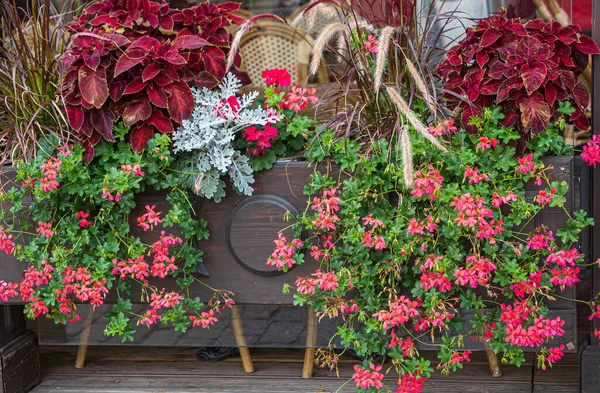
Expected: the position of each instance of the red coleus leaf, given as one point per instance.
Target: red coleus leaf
(104, 20)
(167, 23)
(160, 121)
(581, 121)
(214, 61)
(482, 58)
(146, 43)
(116, 90)
(93, 85)
(550, 93)
(150, 71)
(205, 79)
(180, 102)
(528, 47)
(136, 110)
(92, 60)
(135, 86)
(189, 42)
(587, 45)
(506, 87)
(581, 95)
(118, 39)
(567, 36)
(75, 116)
(489, 37)
(102, 121)
(129, 59)
(174, 57)
(490, 87)
(157, 96)
(533, 76)
(535, 113)
(140, 136)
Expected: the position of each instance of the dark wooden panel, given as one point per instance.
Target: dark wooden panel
(20, 365)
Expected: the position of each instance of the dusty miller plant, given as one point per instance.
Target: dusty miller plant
(209, 136)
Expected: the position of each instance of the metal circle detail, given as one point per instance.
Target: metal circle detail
(251, 228)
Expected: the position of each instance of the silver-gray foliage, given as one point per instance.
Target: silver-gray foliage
(208, 136)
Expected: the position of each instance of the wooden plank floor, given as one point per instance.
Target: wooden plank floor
(151, 369)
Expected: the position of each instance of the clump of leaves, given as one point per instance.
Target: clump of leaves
(84, 244)
(526, 69)
(32, 40)
(137, 60)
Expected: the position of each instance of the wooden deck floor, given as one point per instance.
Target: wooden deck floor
(135, 369)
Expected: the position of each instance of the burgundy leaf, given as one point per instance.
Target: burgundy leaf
(129, 59)
(581, 122)
(94, 88)
(567, 36)
(160, 121)
(140, 137)
(498, 70)
(92, 60)
(157, 96)
(103, 121)
(137, 110)
(145, 43)
(162, 79)
(118, 39)
(528, 47)
(506, 87)
(180, 102)
(116, 90)
(534, 76)
(517, 28)
(550, 93)
(581, 95)
(135, 86)
(214, 61)
(167, 23)
(490, 88)
(174, 57)
(189, 42)
(587, 45)
(206, 79)
(535, 113)
(75, 116)
(489, 37)
(482, 58)
(150, 72)
(104, 20)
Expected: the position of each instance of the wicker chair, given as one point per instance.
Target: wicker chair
(276, 45)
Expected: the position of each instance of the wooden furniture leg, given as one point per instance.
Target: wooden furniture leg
(84, 339)
(311, 343)
(493, 362)
(240, 339)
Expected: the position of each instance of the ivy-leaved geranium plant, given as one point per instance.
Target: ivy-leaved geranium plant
(400, 265)
(136, 60)
(209, 135)
(69, 223)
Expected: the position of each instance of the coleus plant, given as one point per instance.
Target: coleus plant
(136, 60)
(526, 69)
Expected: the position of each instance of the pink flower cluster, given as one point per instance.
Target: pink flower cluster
(149, 219)
(445, 127)
(283, 256)
(498, 200)
(435, 319)
(435, 280)
(327, 281)
(163, 263)
(411, 382)
(554, 355)
(545, 196)
(299, 98)
(135, 169)
(276, 76)
(135, 268)
(259, 140)
(83, 217)
(475, 176)
(407, 345)
(459, 357)
(8, 290)
(371, 43)
(427, 183)
(541, 239)
(107, 193)
(50, 170)
(44, 229)
(486, 143)
(373, 241)
(206, 319)
(591, 151)
(400, 311)
(416, 227)
(533, 336)
(79, 282)
(6, 243)
(306, 286)
(477, 272)
(366, 378)
(526, 164)
(327, 206)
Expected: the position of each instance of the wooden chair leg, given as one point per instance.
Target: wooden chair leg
(84, 339)
(240, 339)
(311, 343)
(493, 362)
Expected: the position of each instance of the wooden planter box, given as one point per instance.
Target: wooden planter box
(242, 230)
